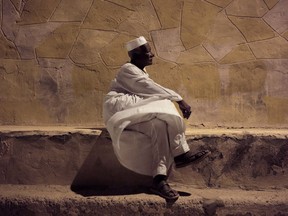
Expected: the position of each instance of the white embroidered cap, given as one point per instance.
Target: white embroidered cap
(135, 43)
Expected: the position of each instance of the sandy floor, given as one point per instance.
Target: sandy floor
(210, 201)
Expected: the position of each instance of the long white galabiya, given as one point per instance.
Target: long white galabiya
(132, 109)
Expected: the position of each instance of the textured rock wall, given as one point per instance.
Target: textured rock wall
(228, 58)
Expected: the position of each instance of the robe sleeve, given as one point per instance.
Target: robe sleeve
(138, 82)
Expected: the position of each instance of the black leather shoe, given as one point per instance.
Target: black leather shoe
(189, 158)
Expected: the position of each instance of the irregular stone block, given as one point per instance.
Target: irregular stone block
(73, 94)
(165, 73)
(238, 54)
(115, 53)
(273, 48)
(253, 29)
(277, 17)
(8, 49)
(31, 36)
(249, 8)
(285, 35)
(18, 79)
(141, 21)
(223, 37)
(67, 11)
(9, 18)
(18, 86)
(86, 109)
(38, 11)
(59, 42)
(104, 15)
(197, 19)
(277, 110)
(277, 78)
(87, 47)
(247, 77)
(168, 44)
(201, 81)
(97, 78)
(169, 13)
(194, 55)
(54, 88)
(30, 112)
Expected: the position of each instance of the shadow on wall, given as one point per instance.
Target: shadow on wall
(102, 174)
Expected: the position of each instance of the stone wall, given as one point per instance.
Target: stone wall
(228, 58)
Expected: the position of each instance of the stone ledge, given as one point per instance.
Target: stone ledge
(241, 158)
(60, 200)
(190, 131)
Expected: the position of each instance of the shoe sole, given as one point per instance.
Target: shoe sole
(156, 192)
(195, 161)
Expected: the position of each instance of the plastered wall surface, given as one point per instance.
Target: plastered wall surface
(227, 58)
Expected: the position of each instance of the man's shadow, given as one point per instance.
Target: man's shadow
(101, 174)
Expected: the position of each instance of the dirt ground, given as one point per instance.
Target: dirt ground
(60, 200)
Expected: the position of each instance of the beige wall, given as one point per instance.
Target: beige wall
(228, 58)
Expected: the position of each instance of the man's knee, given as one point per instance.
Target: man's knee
(158, 123)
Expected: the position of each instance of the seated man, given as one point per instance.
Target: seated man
(138, 105)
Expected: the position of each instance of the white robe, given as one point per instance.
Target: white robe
(133, 98)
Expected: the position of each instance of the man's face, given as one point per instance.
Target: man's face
(146, 56)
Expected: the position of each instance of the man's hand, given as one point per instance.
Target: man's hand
(185, 108)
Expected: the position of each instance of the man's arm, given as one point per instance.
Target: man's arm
(140, 84)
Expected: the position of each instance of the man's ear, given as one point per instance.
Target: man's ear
(135, 55)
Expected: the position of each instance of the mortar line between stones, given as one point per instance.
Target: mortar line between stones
(180, 24)
(11, 42)
(224, 8)
(233, 15)
(275, 31)
(99, 54)
(236, 26)
(251, 51)
(14, 6)
(151, 2)
(269, 9)
(79, 30)
(119, 5)
(1, 24)
(54, 11)
(213, 4)
(215, 61)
